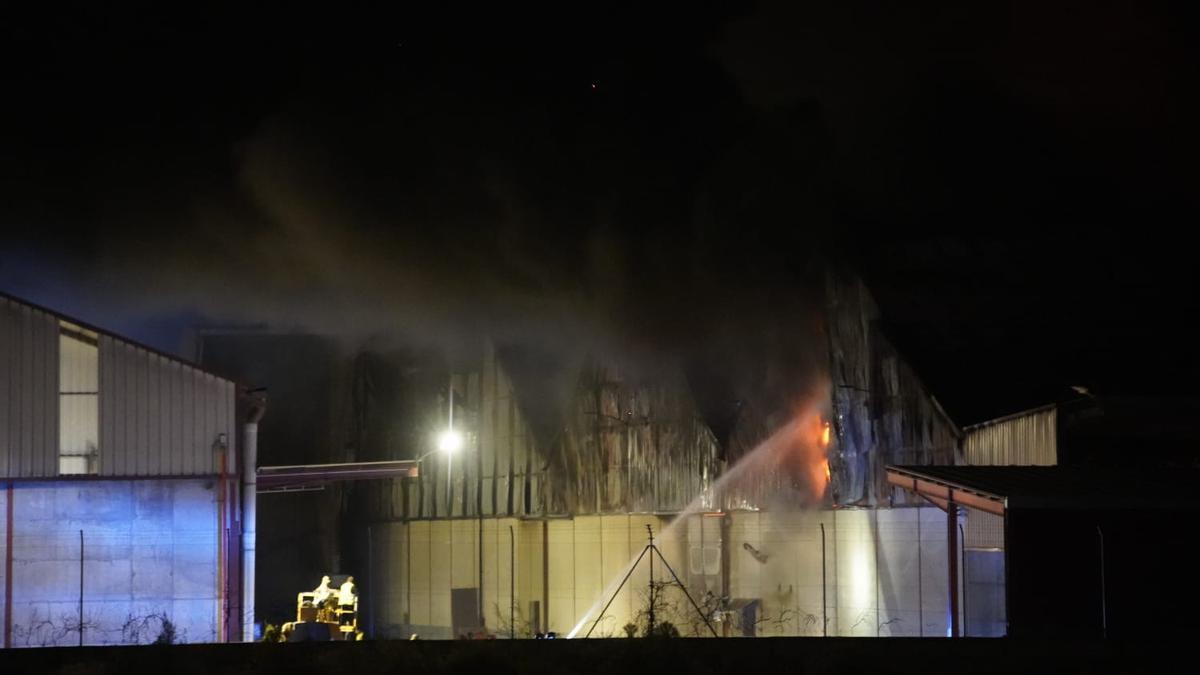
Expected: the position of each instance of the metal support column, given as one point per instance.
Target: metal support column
(952, 561)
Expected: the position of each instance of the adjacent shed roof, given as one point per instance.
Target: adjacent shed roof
(1053, 487)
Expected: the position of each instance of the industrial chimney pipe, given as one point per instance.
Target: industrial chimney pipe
(258, 408)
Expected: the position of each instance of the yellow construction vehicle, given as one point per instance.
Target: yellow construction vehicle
(326, 613)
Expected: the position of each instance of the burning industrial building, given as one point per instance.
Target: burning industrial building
(514, 302)
(564, 461)
(836, 499)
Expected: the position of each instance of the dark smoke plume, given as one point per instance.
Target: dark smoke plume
(655, 219)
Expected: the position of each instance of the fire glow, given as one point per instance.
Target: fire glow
(813, 451)
(808, 458)
(825, 448)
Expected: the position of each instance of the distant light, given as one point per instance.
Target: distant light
(593, 86)
(825, 434)
(449, 441)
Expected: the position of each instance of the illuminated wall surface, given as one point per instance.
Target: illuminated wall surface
(886, 573)
(81, 413)
(149, 551)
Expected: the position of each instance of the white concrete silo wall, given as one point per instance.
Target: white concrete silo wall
(885, 571)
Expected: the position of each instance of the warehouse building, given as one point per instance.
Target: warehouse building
(1058, 481)
(1082, 551)
(451, 553)
(530, 523)
(121, 518)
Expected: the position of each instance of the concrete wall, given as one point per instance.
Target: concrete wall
(415, 565)
(886, 572)
(149, 551)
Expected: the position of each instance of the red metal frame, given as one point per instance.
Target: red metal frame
(941, 493)
(222, 542)
(8, 560)
(948, 498)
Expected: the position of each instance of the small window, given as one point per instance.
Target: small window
(78, 402)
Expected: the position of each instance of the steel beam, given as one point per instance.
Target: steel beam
(275, 478)
(933, 490)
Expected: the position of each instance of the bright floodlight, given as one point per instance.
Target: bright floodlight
(449, 441)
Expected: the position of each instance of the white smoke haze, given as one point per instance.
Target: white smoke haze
(422, 213)
(399, 231)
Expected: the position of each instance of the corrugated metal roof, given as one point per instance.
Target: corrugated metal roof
(1068, 487)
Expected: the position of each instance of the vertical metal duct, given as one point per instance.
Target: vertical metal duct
(258, 407)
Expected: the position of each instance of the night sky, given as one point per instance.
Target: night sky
(1014, 181)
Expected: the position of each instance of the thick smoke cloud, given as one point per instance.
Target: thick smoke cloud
(389, 173)
(656, 219)
(612, 197)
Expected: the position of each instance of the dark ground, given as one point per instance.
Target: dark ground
(746, 657)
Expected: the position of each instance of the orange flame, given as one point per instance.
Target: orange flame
(813, 441)
(824, 447)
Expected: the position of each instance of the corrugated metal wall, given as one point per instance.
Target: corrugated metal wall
(1029, 439)
(633, 447)
(885, 414)
(985, 531)
(159, 417)
(498, 471)
(28, 391)
(909, 426)
(624, 447)
(625, 444)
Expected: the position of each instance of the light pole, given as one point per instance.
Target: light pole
(449, 441)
